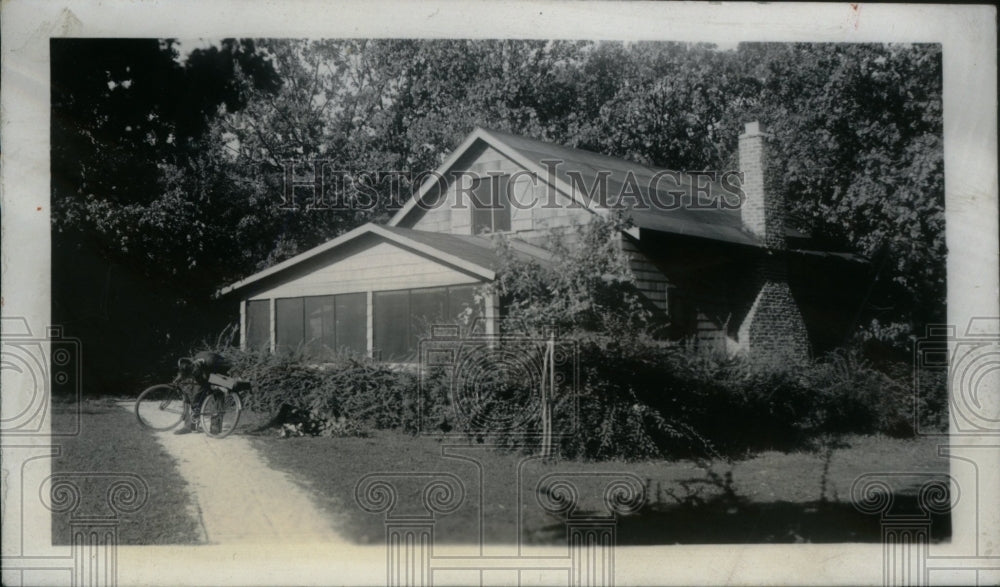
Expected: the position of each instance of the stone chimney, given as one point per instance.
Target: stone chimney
(763, 210)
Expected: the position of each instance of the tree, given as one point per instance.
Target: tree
(132, 256)
(859, 128)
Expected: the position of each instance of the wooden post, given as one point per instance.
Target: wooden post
(370, 323)
(243, 325)
(272, 327)
(548, 380)
(492, 310)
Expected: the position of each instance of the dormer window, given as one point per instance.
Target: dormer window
(490, 204)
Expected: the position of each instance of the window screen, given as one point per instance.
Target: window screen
(428, 307)
(490, 204)
(462, 308)
(289, 326)
(404, 317)
(392, 317)
(482, 216)
(352, 323)
(258, 326)
(319, 326)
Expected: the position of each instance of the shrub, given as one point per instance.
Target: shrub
(347, 395)
(637, 398)
(627, 409)
(643, 399)
(276, 379)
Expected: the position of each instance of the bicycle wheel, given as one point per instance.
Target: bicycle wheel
(220, 413)
(161, 407)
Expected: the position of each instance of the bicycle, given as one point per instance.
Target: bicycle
(162, 407)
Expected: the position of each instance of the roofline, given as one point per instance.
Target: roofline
(484, 135)
(368, 228)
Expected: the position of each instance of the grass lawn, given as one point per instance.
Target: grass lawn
(771, 497)
(112, 441)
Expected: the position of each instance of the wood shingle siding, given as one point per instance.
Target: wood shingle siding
(649, 279)
(451, 216)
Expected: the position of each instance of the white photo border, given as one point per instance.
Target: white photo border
(967, 34)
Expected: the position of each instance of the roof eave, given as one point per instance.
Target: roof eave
(427, 250)
(291, 262)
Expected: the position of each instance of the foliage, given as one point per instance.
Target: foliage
(859, 130)
(586, 286)
(635, 398)
(346, 395)
(652, 400)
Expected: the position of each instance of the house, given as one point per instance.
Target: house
(710, 251)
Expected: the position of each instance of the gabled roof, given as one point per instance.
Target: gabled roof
(472, 254)
(579, 165)
(497, 141)
(476, 255)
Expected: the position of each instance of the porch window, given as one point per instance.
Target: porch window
(392, 316)
(288, 324)
(258, 324)
(322, 325)
(319, 326)
(351, 321)
(404, 317)
(490, 204)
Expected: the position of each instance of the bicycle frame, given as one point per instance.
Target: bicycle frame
(202, 397)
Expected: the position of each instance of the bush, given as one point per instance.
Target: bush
(648, 399)
(276, 379)
(638, 398)
(641, 398)
(346, 396)
(627, 409)
(931, 387)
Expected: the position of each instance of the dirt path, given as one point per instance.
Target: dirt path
(239, 497)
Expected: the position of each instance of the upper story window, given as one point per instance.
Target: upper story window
(490, 204)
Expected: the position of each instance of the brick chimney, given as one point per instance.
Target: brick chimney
(773, 328)
(763, 210)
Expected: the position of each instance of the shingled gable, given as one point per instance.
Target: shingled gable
(502, 144)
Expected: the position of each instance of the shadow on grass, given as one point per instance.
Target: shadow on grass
(726, 517)
(777, 522)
